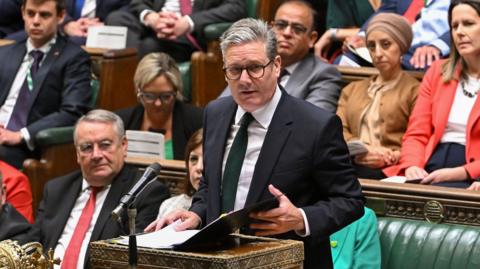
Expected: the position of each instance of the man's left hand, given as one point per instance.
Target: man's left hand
(424, 56)
(180, 28)
(8, 137)
(286, 217)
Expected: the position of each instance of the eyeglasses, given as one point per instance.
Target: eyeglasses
(297, 28)
(88, 147)
(150, 98)
(254, 71)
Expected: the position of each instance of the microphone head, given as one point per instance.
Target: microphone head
(156, 167)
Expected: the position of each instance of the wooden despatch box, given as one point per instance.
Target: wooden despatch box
(242, 252)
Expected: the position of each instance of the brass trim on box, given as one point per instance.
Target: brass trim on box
(434, 211)
(259, 252)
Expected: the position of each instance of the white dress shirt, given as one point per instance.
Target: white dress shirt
(88, 9)
(72, 221)
(257, 130)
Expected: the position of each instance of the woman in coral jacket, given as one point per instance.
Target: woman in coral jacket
(442, 142)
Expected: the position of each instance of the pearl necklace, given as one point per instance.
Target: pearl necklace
(466, 92)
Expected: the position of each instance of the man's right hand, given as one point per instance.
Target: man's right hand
(190, 220)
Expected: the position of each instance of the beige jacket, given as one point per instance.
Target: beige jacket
(395, 108)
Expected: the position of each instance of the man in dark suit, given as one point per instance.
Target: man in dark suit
(261, 142)
(171, 27)
(44, 82)
(303, 75)
(10, 17)
(81, 14)
(101, 147)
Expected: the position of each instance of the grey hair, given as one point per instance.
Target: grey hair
(103, 116)
(249, 30)
(154, 65)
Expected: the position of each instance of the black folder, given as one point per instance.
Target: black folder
(216, 234)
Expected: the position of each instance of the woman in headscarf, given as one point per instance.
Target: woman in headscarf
(376, 110)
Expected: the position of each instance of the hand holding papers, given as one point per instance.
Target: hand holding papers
(165, 238)
(211, 235)
(286, 217)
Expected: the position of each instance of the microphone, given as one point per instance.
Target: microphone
(150, 174)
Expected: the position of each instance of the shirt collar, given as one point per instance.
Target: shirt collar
(264, 114)
(291, 68)
(86, 186)
(45, 48)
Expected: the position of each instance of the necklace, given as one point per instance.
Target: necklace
(466, 92)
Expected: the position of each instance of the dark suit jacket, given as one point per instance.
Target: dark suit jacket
(13, 224)
(103, 8)
(316, 82)
(304, 155)
(61, 92)
(59, 197)
(10, 17)
(186, 120)
(203, 12)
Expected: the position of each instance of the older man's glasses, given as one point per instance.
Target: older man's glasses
(253, 70)
(88, 147)
(150, 98)
(297, 28)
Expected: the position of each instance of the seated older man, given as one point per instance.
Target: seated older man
(76, 208)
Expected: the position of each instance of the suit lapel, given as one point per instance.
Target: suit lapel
(221, 131)
(473, 118)
(119, 186)
(339, 240)
(443, 101)
(299, 76)
(277, 135)
(65, 208)
(11, 70)
(44, 69)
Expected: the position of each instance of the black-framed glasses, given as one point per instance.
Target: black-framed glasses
(253, 70)
(297, 28)
(150, 98)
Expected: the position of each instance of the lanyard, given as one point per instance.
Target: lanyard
(29, 77)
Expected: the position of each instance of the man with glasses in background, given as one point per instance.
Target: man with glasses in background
(261, 142)
(76, 208)
(303, 75)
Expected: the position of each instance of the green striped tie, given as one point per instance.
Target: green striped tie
(234, 163)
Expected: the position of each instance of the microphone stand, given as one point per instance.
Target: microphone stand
(132, 239)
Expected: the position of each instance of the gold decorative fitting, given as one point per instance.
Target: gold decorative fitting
(28, 256)
(434, 211)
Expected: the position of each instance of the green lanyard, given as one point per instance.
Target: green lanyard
(29, 76)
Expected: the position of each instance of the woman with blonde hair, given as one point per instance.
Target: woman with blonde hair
(158, 85)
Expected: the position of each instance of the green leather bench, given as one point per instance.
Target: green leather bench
(410, 244)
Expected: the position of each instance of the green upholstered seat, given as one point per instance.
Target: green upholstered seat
(186, 74)
(410, 244)
(213, 31)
